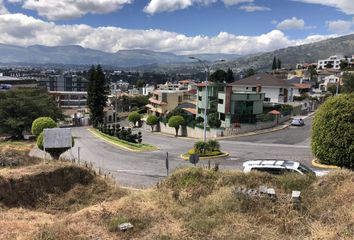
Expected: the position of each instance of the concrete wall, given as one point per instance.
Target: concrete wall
(214, 133)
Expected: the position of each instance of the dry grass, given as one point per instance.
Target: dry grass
(192, 204)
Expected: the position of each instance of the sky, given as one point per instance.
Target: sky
(178, 26)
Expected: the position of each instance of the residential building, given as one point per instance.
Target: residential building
(147, 90)
(328, 81)
(334, 61)
(276, 90)
(164, 101)
(119, 87)
(66, 82)
(233, 107)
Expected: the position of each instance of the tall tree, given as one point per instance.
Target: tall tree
(97, 94)
(250, 72)
(274, 65)
(279, 64)
(348, 82)
(230, 76)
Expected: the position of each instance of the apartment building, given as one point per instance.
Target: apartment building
(334, 61)
(66, 82)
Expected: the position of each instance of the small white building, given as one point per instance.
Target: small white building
(328, 81)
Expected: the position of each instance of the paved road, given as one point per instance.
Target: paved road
(145, 169)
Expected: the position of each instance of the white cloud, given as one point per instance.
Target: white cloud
(254, 8)
(293, 23)
(3, 9)
(19, 29)
(156, 6)
(236, 2)
(346, 6)
(69, 9)
(340, 26)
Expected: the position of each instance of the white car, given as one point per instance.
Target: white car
(297, 122)
(279, 167)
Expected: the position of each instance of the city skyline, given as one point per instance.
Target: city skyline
(179, 26)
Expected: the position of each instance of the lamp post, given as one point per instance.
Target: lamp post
(207, 73)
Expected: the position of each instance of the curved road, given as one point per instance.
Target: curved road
(145, 169)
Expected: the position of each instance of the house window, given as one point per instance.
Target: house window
(221, 101)
(200, 98)
(222, 116)
(221, 89)
(110, 118)
(254, 89)
(179, 99)
(246, 88)
(267, 99)
(199, 110)
(248, 96)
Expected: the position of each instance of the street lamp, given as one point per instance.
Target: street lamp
(207, 73)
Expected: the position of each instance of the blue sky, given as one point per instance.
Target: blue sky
(180, 26)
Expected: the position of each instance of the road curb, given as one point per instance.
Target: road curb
(315, 163)
(225, 154)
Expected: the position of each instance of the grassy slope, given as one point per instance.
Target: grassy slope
(198, 204)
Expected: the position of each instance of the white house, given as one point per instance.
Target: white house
(328, 81)
(276, 90)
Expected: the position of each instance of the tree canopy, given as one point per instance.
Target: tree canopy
(214, 121)
(152, 120)
(176, 122)
(134, 117)
(20, 107)
(333, 131)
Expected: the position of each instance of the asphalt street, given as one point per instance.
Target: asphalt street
(133, 169)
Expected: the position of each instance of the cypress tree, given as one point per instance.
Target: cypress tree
(279, 64)
(230, 76)
(97, 94)
(274, 65)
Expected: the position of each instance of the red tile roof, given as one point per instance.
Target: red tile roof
(274, 112)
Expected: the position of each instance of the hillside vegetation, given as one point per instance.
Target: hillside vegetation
(71, 202)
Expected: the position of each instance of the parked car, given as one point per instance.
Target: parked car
(278, 167)
(297, 122)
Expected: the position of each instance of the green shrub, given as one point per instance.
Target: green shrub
(134, 117)
(333, 131)
(152, 120)
(213, 120)
(176, 122)
(213, 145)
(41, 123)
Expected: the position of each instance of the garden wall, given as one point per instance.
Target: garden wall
(214, 133)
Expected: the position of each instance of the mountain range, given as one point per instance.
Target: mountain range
(147, 60)
(77, 55)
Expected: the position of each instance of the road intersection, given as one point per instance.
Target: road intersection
(134, 169)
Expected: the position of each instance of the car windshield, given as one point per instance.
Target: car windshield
(306, 170)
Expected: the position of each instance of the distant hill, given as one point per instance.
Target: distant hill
(307, 53)
(77, 55)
